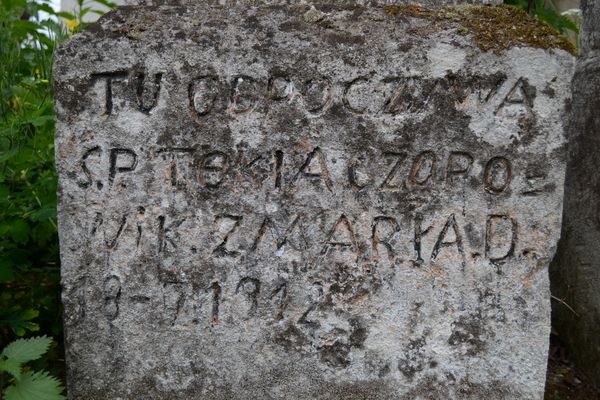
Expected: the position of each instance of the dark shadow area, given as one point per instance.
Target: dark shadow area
(563, 380)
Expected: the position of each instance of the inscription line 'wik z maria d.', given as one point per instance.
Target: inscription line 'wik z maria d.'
(296, 202)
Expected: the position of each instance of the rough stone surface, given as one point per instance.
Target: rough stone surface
(253, 3)
(575, 271)
(289, 202)
(590, 32)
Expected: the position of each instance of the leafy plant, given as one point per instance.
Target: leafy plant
(29, 253)
(29, 266)
(546, 10)
(76, 20)
(25, 383)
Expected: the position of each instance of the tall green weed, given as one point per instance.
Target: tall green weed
(29, 263)
(29, 253)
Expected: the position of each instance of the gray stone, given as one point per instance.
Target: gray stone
(575, 271)
(283, 203)
(254, 3)
(72, 5)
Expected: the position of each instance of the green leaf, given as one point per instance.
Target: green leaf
(43, 214)
(21, 329)
(46, 8)
(7, 155)
(65, 15)
(23, 27)
(106, 3)
(23, 350)
(83, 11)
(35, 386)
(11, 366)
(18, 231)
(17, 321)
(38, 120)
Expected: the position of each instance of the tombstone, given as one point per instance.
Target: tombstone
(309, 202)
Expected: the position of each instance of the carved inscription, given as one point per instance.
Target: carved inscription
(431, 238)
(134, 87)
(375, 237)
(214, 169)
(339, 201)
(363, 94)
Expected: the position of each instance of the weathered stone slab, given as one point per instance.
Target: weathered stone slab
(289, 202)
(575, 272)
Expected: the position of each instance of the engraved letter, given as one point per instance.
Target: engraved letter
(111, 244)
(268, 226)
(500, 237)
(358, 180)
(455, 238)
(423, 168)
(390, 177)
(376, 238)
(202, 94)
(89, 179)
(216, 300)
(147, 91)
(315, 166)
(517, 95)
(212, 169)
(459, 164)
(353, 95)
(244, 94)
(394, 103)
(109, 78)
(280, 88)
(341, 235)
(233, 221)
(175, 152)
(278, 168)
(279, 294)
(250, 287)
(497, 175)
(419, 233)
(174, 299)
(112, 294)
(403, 95)
(164, 233)
(121, 160)
(317, 94)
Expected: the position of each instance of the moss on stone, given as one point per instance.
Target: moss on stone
(492, 28)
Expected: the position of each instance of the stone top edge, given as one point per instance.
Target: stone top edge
(491, 27)
(230, 3)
